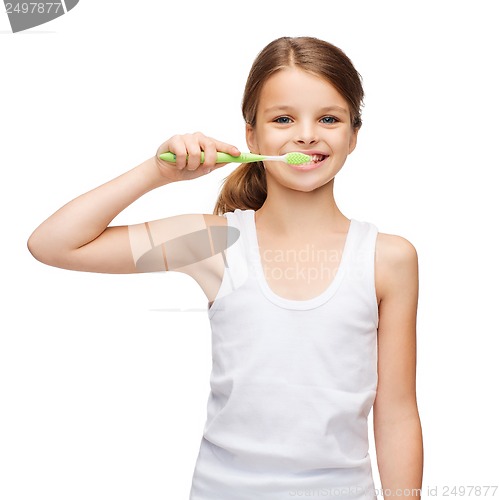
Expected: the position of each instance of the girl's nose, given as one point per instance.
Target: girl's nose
(306, 134)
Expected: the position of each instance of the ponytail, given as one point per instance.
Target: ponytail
(244, 188)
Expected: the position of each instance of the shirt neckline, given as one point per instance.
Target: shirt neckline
(313, 302)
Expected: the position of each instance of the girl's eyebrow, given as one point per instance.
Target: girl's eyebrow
(283, 107)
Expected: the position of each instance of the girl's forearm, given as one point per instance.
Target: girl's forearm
(87, 216)
(399, 453)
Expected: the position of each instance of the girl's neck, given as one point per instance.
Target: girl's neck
(294, 214)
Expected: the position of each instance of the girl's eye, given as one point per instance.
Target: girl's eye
(283, 119)
(330, 120)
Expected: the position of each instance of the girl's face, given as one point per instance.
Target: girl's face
(298, 111)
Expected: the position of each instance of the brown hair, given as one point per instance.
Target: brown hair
(246, 186)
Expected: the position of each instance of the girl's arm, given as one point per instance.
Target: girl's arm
(397, 427)
(78, 235)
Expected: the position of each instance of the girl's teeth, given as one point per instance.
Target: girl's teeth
(317, 158)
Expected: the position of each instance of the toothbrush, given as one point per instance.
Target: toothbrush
(290, 158)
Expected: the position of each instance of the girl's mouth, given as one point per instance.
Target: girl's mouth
(316, 161)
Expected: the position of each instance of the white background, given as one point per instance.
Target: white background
(104, 379)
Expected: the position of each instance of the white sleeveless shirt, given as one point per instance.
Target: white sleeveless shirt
(292, 382)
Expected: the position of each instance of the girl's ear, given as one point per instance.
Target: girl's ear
(353, 140)
(250, 139)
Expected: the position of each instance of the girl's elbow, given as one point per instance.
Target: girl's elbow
(34, 247)
(42, 251)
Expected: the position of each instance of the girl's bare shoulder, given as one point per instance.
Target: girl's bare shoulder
(396, 263)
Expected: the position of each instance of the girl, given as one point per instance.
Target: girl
(313, 315)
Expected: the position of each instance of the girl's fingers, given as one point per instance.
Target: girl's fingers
(188, 148)
(175, 145)
(227, 148)
(211, 148)
(194, 152)
(210, 153)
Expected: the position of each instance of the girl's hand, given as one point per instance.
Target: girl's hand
(191, 145)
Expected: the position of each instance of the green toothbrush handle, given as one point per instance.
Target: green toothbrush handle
(221, 157)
